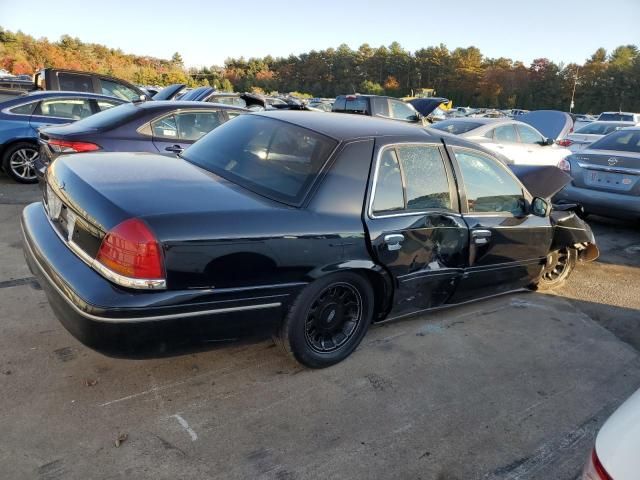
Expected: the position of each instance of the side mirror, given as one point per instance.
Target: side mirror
(540, 207)
(548, 141)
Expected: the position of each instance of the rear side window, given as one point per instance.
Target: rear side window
(26, 109)
(455, 127)
(505, 133)
(71, 108)
(165, 127)
(106, 105)
(411, 178)
(489, 186)
(118, 90)
(622, 140)
(75, 83)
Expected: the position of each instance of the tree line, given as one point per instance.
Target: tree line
(605, 81)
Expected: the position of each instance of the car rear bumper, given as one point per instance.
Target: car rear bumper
(607, 204)
(108, 317)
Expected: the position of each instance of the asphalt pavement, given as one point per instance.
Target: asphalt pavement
(509, 388)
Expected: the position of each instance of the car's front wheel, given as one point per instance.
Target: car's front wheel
(558, 267)
(328, 320)
(19, 162)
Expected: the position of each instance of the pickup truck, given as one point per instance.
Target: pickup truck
(76, 81)
(377, 106)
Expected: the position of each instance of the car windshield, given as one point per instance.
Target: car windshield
(456, 127)
(110, 117)
(267, 156)
(616, 116)
(601, 128)
(622, 140)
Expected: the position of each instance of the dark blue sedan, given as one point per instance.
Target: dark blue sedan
(165, 127)
(21, 117)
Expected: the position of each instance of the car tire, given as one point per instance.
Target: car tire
(559, 265)
(18, 161)
(328, 320)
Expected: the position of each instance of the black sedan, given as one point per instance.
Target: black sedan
(313, 224)
(165, 127)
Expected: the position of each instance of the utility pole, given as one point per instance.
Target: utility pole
(573, 93)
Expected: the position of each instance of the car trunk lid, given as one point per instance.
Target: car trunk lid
(611, 171)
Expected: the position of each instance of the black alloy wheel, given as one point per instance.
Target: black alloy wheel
(328, 320)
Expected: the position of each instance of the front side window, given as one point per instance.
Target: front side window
(265, 155)
(75, 83)
(106, 105)
(529, 135)
(411, 178)
(118, 90)
(401, 111)
(489, 186)
(71, 108)
(505, 133)
(193, 125)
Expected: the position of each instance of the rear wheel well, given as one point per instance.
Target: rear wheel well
(381, 291)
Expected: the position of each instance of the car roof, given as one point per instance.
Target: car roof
(481, 120)
(66, 93)
(177, 104)
(347, 127)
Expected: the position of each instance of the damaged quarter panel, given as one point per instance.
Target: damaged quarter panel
(569, 230)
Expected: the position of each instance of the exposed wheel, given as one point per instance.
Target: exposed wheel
(19, 160)
(328, 320)
(560, 264)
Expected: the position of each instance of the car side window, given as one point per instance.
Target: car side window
(26, 109)
(529, 135)
(389, 196)
(489, 186)
(118, 90)
(74, 82)
(505, 133)
(71, 108)
(193, 125)
(401, 110)
(427, 186)
(165, 127)
(106, 105)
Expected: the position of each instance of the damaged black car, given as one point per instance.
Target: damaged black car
(312, 225)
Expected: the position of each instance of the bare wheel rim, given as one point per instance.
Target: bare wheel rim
(556, 266)
(333, 318)
(22, 162)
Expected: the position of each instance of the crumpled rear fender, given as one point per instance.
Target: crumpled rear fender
(571, 231)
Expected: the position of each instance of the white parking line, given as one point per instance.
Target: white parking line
(185, 425)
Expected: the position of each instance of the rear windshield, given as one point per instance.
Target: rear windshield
(267, 156)
(601, 128)
(109, 118)
(456, 127)
(625, 117)
(351, 105)
(622, 140)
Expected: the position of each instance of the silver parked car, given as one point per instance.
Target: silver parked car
(520, 143)
(586, 135)
(606, 176)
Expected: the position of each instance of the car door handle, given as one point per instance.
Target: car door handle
(480, 237)
(174, 148)
(394, 241)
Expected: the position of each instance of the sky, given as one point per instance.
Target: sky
(207, 32)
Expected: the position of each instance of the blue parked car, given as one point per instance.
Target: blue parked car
(21, 117)
(165, 126)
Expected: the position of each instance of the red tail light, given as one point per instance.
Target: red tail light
(564, 165)
(594, 469)
(131, 250)
(66, 146)
(565, 142)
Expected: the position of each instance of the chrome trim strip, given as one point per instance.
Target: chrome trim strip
(602, 168)
(170, 316)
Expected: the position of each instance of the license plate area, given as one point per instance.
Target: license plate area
(609, 181)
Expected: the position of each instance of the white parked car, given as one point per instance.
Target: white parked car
(518, 142)
(620, 116)
(586, 135)
(616, 455)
